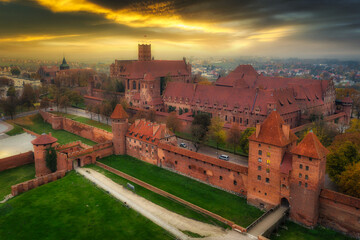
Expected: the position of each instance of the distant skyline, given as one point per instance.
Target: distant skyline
(104, 29)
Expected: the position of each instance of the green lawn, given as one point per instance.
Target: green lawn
(161, 200)
(15, 131)
(215, 200)
(14, 176)
(86, 121)
(297, 232)
(36, 124)
(212, 143)
(73, 208)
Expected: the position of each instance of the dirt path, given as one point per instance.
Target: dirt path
(170, 221)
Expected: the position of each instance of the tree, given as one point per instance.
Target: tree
(244, 140)
(106, 110)
(198, 133)
(172, 122)
(337, 161)
(216, 131)
(9, 106)
(349, 180)
(51, 159)
(11, 92)
(119, 86)
(233, 136)
(354, 126)
(28, 96)
(97, 110)
(89, 109)
(44, 103)
(64, 102)
(75, 98)
(325, 132)
(202, 119)
(15, 71)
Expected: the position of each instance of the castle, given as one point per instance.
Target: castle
(279, 171)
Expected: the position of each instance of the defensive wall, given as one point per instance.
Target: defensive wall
(86, 131)
(340, 212)
(34, 183)
(16, 160)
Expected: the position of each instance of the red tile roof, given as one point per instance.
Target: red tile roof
(271, 131)
(44, 139)
(240, 77)
(119, 113)
(148, 129)
(347, 100)
(310, 146)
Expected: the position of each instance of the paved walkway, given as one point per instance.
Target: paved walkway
(268, 221)
(168, 220)
(13, 145)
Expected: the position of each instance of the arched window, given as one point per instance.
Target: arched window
(134, 85)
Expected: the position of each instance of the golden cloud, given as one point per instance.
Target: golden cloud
(30, 38)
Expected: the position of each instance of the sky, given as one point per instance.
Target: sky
(104, 29)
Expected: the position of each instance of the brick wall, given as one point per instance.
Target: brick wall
(34, 183)
(225, 175)
(16, 160)
(340, 212)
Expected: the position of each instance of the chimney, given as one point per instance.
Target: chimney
(286, 130)
(258, 127)
(50, 134)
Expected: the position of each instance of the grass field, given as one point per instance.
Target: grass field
(86, 121)
(297, 232)
(73, 208)
(160, 200)
(14, 176)
(16, 130)
(36, 124)
(215, 200)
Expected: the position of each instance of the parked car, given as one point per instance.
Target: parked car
(224, 157)
(183, 145)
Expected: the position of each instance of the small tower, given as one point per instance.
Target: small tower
(144, 51)
(40, 144)
(119, 126)
(307, 179)
(347, 103)
(64, 65)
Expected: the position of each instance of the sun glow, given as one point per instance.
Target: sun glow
(24, 38)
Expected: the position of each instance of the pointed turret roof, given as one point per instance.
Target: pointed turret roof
(44, 139)
(64, 61)
(272, 132)
(119, 113)
(310, 146)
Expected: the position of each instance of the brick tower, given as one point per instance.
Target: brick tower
(119, 126)
(144, 51)
(40, 144)
(267, 149)
(307, 179)
(347, 103)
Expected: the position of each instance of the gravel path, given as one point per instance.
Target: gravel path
(168, 220)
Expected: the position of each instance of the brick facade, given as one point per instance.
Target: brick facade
(16, 160)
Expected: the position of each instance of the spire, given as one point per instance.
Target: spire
(64, 60)
(310, 146)
(119, 113)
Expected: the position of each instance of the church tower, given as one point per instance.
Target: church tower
(64, 65)
(144, 51)
(307, 179)
(40, 145)
(119, 126)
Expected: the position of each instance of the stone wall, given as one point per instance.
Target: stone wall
(340, 212)
(225, 175)
(34, 183)
(86, 131)
(16, 160)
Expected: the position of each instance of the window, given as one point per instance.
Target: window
(300, 175)
(265, 194)
(267, 180)
(301, 166)
(306, 185)
(235, 182)
(189, 167)
(259, 168)
(260, 152)
(268, 170)
(204, 172)
(300, 183)
(259, 160)
(175, 162)
(299, 156)
(268, 154)
(268, 161)
(310, 159)
(259, 177)
(306, 177)
(307, 168)
(220, 178)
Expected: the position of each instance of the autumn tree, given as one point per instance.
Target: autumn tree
(244, 140)
(10, 102)
(216, 131)
(172, 122)
(349, 180)
(199, 128)
(106, 110)
(233, 136)
(15, 71)
(64, 102)
(89, 109)
(75, 98)
(325, 132)
(337, 161)
(44, 103)
(28, 96)
(97, 109)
